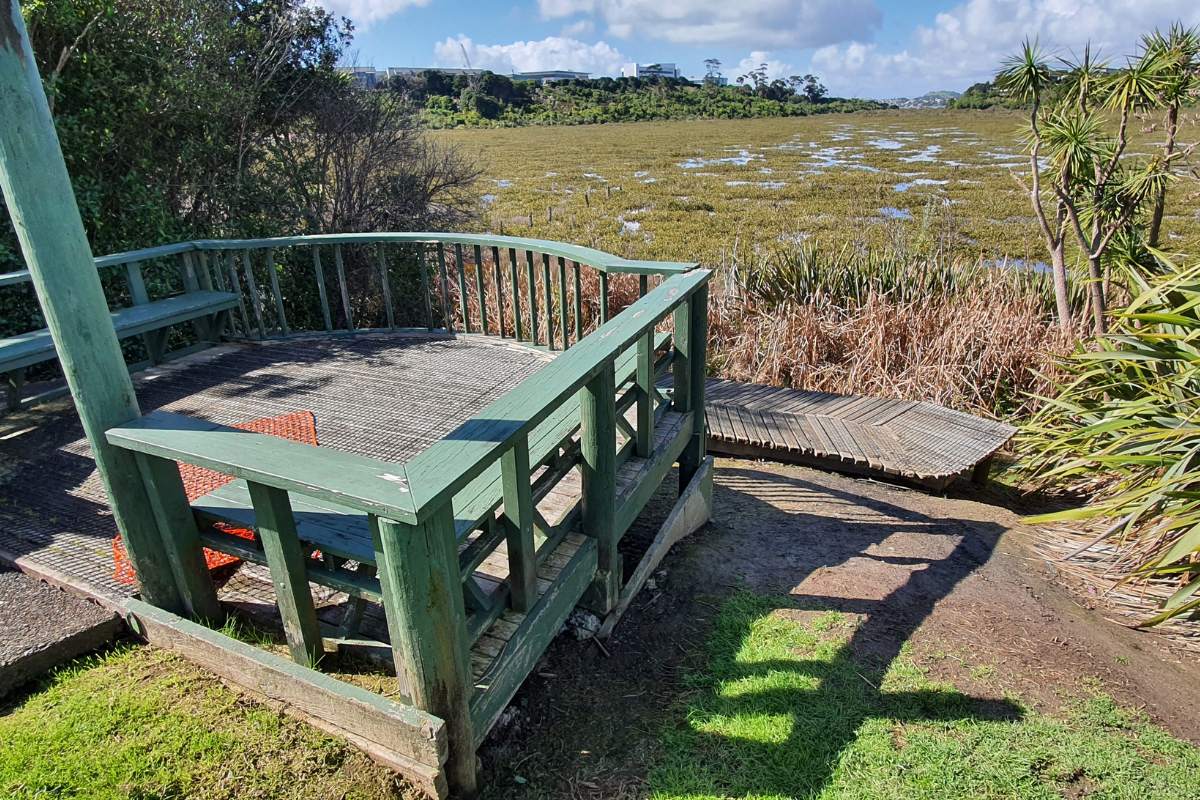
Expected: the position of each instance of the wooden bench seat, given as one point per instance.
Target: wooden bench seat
(26, 349)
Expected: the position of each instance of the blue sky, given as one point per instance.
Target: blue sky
(867, 48)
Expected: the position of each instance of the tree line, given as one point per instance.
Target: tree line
(490, 99)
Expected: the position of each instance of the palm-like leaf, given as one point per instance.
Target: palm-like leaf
(1126, 425)
(1025, 75)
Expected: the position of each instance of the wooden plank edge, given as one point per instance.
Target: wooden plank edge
(690, 513)
(406, 735)
(65, 581)
(539, 627)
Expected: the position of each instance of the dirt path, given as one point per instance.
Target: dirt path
(953, 578)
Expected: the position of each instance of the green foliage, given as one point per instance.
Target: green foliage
(495, 100)
(183, 119)
(1124, 427)
(785, 708)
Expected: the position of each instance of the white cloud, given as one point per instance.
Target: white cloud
(553, 52)
(794, 24)
(967, 43)
(581, 27)
(364, 12)
(775, 68)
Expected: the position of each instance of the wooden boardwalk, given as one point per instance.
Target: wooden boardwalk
(920, 443)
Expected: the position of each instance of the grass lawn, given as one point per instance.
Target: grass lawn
(141, 723)
(785, 711)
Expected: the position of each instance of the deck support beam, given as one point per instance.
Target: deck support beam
(41, 202)
(423, 601)
(598, 435)
(691, 332)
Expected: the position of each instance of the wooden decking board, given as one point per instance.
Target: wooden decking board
(918, 442)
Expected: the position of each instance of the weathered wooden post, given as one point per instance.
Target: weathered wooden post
(598, 440)
(691, 331)
(42, 205)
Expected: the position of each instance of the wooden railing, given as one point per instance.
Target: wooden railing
(594, 414)
(536, 291)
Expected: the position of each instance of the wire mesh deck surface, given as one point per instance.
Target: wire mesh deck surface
(921, 443)
(383, 396)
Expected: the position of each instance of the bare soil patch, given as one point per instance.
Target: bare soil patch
(954, 579)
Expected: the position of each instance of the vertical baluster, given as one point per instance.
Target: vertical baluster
(423, 265)
(218, 274)
(481, 290)
(578, 302)
(516, 294)
(643, 285)
(518, 509)
(499, 289)
(188, 271)
(276, 528)
(694, 332)
(598, 440)
(426, 619)
(532, 299)
(203, 276)
(319, 271)
(137, 285)
(462, 287)
(603, 297)
(548, 292)
(645, 393)
(273, 274)
(446, 322)
(255, 298)
(563, 322)
(236, 287)
(386, 283)
(339, 265)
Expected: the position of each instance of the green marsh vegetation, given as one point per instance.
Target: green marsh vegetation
(888, 252)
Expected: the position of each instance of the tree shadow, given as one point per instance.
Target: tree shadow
(821, 702)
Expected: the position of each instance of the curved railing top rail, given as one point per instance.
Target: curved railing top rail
(598, 259)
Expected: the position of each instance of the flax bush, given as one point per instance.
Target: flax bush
(1125, 428)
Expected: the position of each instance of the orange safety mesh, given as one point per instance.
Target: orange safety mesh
(299, 426)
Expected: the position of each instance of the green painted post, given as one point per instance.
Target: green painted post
(563, 321)
(462, 288)
(499, 290)
(532, 299)
(518, 508)
(481, 289)
(276, 528)
(41, 203)
(697, 332)
(516, 294)
(181, 537)
(426, 618)
(645, 394)
(598, 437)
(548, 296)
(603, 297)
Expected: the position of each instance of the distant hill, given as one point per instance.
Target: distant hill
(928, 100)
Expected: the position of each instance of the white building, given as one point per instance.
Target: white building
(656, 70)
(550, 75)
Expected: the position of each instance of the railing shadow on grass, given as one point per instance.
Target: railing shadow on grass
(823, 701)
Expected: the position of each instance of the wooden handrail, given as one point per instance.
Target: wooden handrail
(605, 262)
(454, 460)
